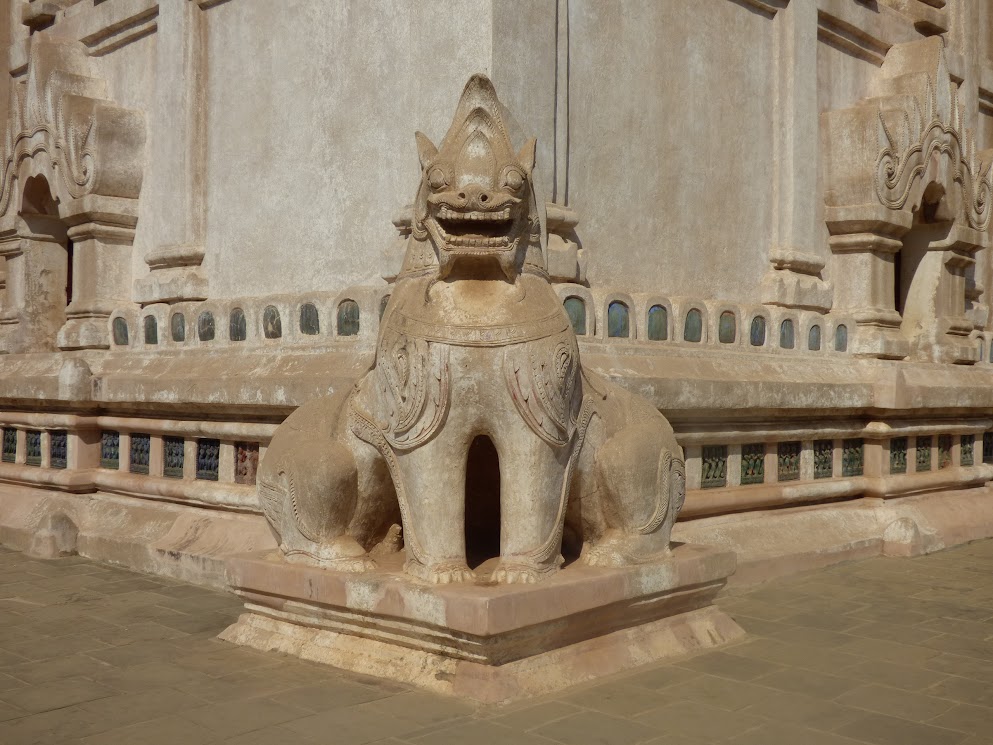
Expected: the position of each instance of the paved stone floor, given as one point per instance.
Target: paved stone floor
(887, 651)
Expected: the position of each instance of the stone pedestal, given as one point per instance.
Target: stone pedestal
(485, 642)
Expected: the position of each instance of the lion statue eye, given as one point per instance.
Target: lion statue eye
(437, 178)
(514, 180)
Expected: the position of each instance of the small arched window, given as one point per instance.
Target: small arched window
(814, 338)
(151, 330)
(727, 330)
(982, 347)
(272, 325)
(120, 327)
(575, 308)
(693, 327)
(618, 320)
(205, 326)
(658, 323)
(237, 328)
(756, 335)
(348, 318)
(177, 326)
(787, 336)
(841, 339)
(310, 321)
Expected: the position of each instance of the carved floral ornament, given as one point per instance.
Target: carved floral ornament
(62, 125)
(906, 145)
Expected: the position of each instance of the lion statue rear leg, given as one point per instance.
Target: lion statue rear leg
(326, 494)
(637, 484)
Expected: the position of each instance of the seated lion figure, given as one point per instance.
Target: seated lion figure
(474, 342)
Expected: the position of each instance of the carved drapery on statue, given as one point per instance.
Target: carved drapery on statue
(87, 152)
(908, 204)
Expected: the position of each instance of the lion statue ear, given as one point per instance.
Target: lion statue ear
(527, 155)
(426, 150)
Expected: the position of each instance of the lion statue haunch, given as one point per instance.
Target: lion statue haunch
(474, 341)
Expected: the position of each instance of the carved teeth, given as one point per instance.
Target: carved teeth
(446, 213)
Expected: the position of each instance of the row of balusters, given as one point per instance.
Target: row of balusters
(714, 458)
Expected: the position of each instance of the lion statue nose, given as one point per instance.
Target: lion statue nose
(475, 197)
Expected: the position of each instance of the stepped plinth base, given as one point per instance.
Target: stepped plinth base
(483, 642)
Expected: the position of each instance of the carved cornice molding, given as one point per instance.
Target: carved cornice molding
(768, 8)
(61, 120)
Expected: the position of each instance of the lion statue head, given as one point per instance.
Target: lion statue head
(476, 200)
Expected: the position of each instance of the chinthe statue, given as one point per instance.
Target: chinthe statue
(474, 342)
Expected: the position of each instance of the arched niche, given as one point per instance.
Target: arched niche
(64, 131)
(908, 204)
(38, 264)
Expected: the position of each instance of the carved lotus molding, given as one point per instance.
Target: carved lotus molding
(62, 125)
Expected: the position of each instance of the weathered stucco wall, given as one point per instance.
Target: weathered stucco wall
(311, 112)
(130, 73)
(654, 146)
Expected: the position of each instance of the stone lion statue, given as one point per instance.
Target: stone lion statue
(474, 341)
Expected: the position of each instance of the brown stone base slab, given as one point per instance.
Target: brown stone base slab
(487, 642)
(180, 541)
(492, 684)
(774, 543)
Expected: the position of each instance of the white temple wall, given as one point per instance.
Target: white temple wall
(311, 112)
(669, 106)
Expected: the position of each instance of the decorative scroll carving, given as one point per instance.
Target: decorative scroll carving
(90, 144)
(543, 380)
(913, 139)
(413, 378)
(887, 149)
(897, 160)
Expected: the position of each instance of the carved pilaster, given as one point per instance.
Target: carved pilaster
(10, 253)
(101, 279)
(793, 279)
(35, 255)
(863, 255)
(179, 148)
(175, 275)
(564, 254)
(954, 324)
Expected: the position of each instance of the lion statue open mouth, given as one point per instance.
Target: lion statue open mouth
(476, 197)
(474, 342)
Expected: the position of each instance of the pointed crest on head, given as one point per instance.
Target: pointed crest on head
(476, 199)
